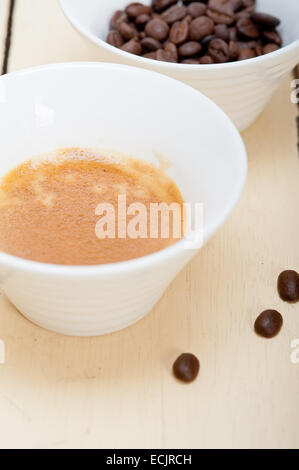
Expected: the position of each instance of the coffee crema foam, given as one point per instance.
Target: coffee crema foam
(48, 207)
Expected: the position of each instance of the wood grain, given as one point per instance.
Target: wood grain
(117, 391)
(4, 5)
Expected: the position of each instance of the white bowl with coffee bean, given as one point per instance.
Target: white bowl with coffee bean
(234, 51)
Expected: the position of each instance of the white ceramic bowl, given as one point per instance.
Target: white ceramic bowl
(241, 89)
(135, 112)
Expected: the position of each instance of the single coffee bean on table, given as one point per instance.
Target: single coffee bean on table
(288, 285)
(268, 324)
(144, 29)
(186, 367)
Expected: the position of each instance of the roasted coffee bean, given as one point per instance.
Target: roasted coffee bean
(265, 21)
(135, 9)
(196, 9)
(268, 324)
(244, 13)
(288, 286)
(247, 29)
(190, 61)
(272, 36)
(179, 32)
(151, 44)
(174, 13)
(190, 49)
(246, 53)
(233, 34)
(193, 26)
(141, 20)
(161, 5)
(186, 367)
(132, 46)
(187, 2)
(164, 56)
(206, 59)
(118, 17)
(172, 49)
(128, 31)
(248, 3)
(236, 4)
(247, 44)
(233, 50)
(201, 27)
(219, 51)
(150, 55)
(271, 47)
(115, 39)
(157, 29)
(221, 31)
(221, 11)
(206, 40)
(259, 48)
(189, 19)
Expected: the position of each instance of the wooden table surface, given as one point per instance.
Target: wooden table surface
(117, 391)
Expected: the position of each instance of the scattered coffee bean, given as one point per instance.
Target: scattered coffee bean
(264, 20)
(191, 28)
(288, 286)
(268, 324)
(186, 367)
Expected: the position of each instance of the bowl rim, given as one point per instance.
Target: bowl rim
(148, 261)
(168, 66)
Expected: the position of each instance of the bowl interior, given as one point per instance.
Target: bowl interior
(128, 110)
(93, 16)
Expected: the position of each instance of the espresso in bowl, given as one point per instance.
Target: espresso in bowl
(77, 207)
(174, 132)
